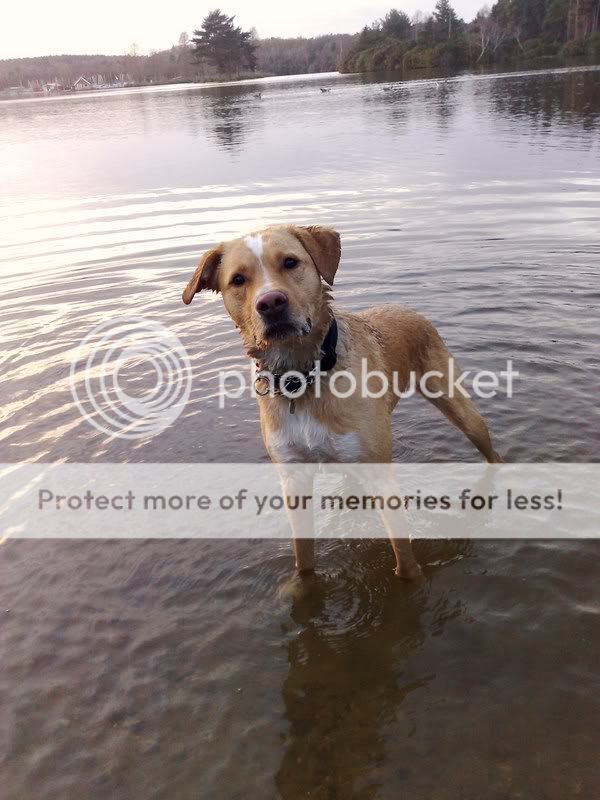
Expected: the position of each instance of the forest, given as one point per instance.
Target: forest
(511, 31)
(274, 56)
(218, 50)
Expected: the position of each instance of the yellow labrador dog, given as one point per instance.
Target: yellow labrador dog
(275, 286)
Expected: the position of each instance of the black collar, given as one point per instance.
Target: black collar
(328, 348)
(275, 383)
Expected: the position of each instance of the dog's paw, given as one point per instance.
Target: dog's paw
(410, 572)
(297, 586)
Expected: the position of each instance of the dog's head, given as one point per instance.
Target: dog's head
(271, 280)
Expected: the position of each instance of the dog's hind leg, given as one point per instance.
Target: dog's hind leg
(411, 344)
(397, 530)
(379, 480)
(462, 412)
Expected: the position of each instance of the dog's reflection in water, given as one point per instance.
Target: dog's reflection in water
(350, 669)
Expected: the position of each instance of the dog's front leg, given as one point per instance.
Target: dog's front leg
(406, 564)
(298, 489)
(304, 554)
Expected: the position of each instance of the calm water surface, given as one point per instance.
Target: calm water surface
(173, 669)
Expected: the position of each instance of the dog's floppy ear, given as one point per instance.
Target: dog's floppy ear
(205, 276)
(323, 246)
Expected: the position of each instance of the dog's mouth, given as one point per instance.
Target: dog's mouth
(281, 330)
(284, 329)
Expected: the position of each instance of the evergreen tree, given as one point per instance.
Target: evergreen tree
(396, 23)
(529, 16)
(555, 22)
(224, 45)
(446, 18)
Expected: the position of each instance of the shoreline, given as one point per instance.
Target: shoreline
(35, 96)
(392, 76)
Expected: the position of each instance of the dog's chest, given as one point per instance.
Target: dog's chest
(302, 437)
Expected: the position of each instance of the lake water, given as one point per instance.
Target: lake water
(165, 669)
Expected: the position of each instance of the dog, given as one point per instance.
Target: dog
(275, 285)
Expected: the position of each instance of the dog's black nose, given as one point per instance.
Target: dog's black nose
(271, 304)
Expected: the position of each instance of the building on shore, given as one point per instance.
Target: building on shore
(82, 84)
(39, 87)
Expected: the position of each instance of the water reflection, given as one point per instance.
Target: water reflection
(440, 100)
(494, 236)
(550, 99)
(350, 674)
(571, 99)
(231, 112)
(436, 99)
(393, 99)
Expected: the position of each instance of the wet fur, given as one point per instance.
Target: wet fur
(392, 339)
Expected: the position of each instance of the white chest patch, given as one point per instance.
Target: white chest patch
(303, 438)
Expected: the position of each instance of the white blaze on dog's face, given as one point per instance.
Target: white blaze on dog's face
(271, 280)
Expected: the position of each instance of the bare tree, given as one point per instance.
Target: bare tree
(491, 33)
(417, 21)
(484, 22)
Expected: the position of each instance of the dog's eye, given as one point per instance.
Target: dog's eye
(238, 280)
(290, 262)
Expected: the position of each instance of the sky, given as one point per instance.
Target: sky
(111, 27)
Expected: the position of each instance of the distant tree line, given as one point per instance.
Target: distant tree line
(509, 31)
(218, 49)
(299, 56)
(221, 45)
(165, 66)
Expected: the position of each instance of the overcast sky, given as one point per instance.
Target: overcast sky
(50, 27)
